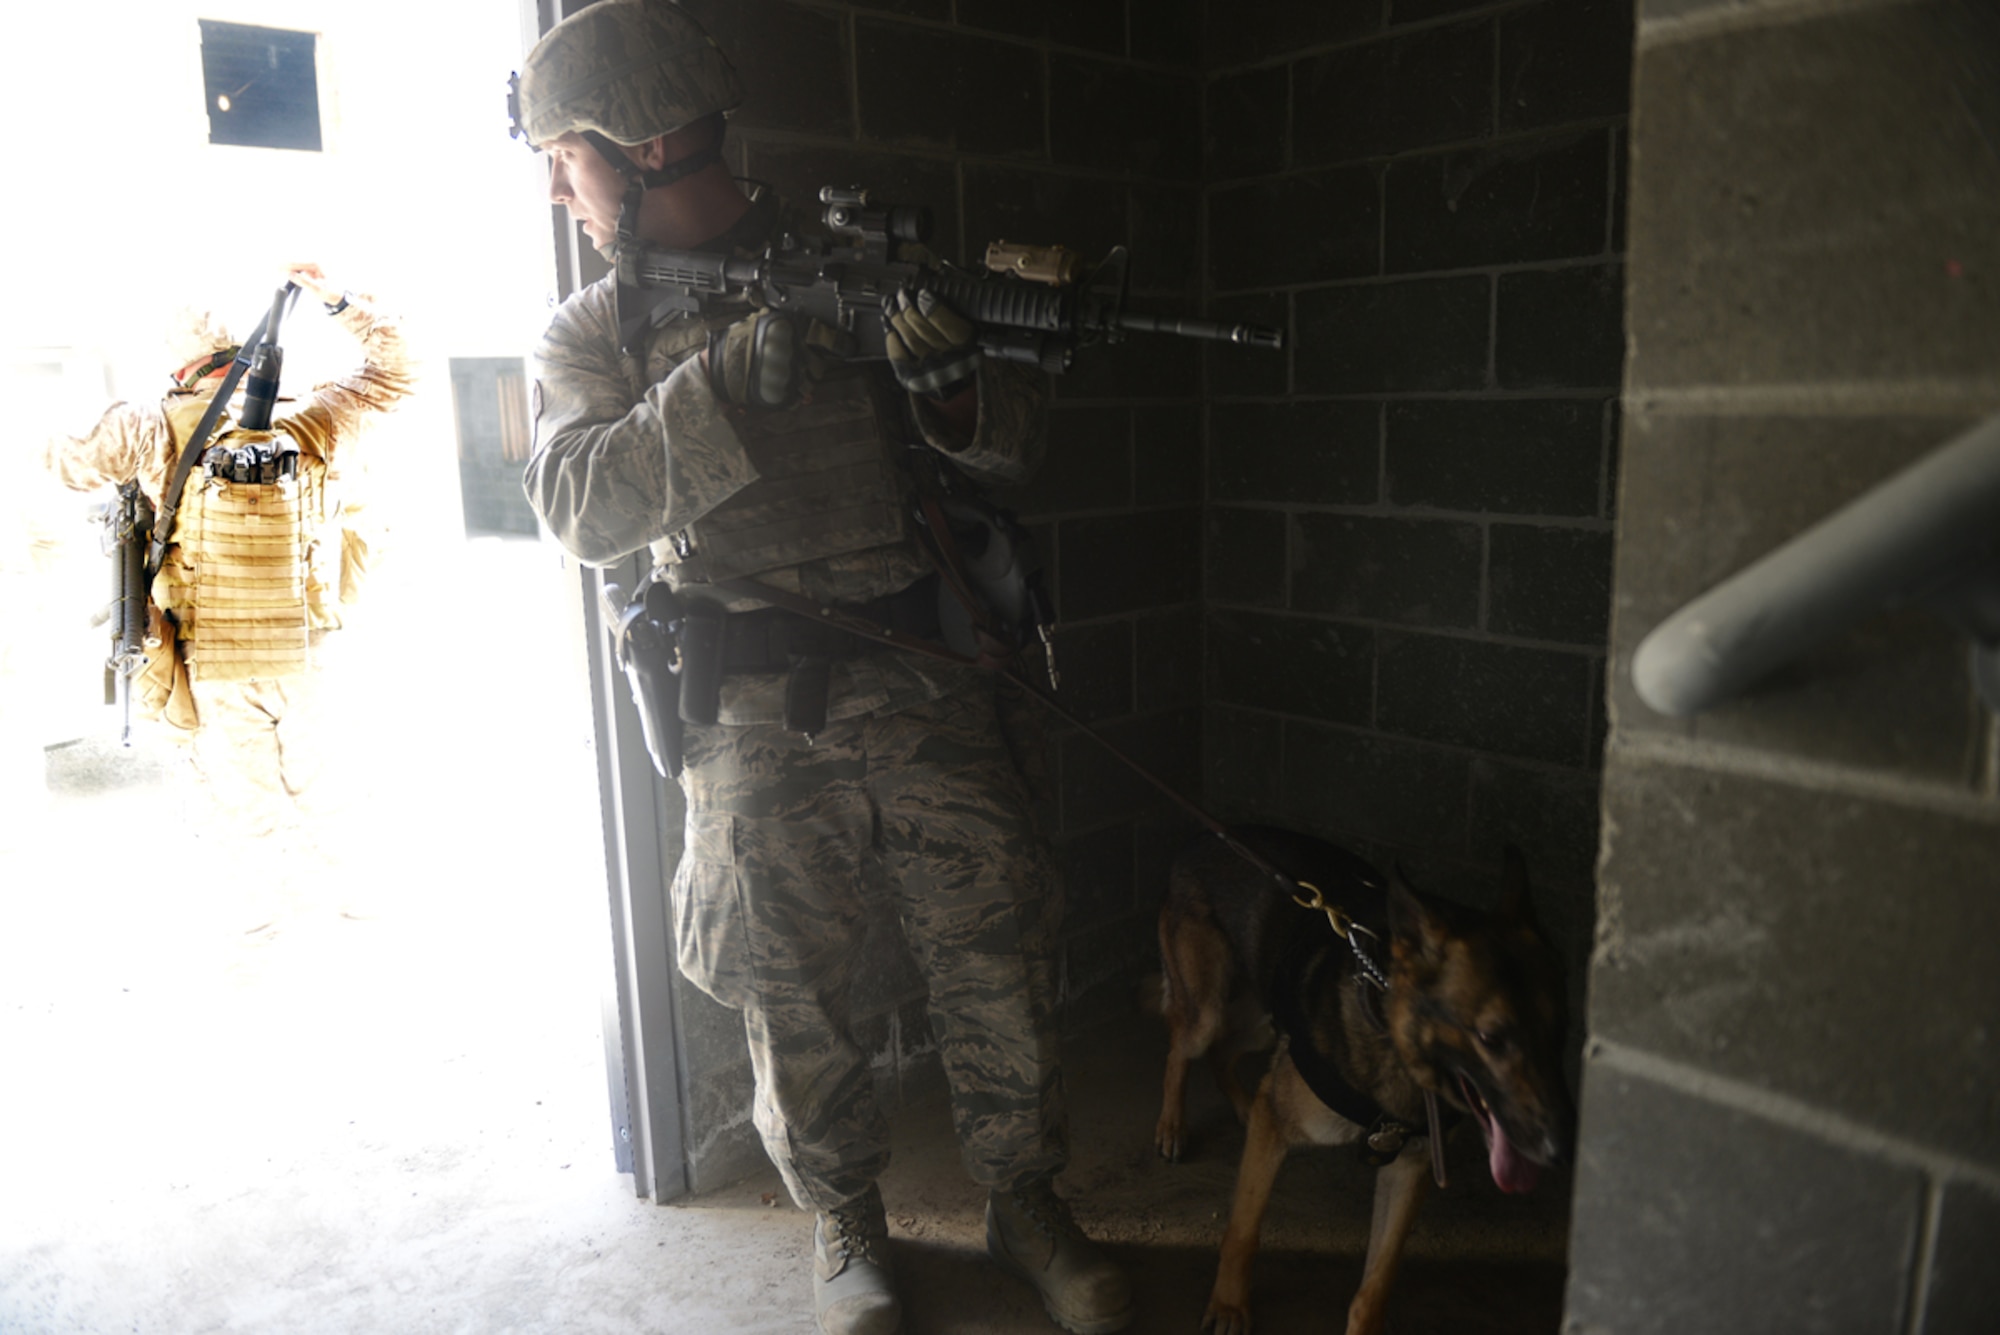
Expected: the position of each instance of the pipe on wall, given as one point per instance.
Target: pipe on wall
(1929, 535)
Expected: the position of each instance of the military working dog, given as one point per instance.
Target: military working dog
(1424, 1011)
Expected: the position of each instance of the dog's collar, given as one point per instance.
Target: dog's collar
(1369, 968)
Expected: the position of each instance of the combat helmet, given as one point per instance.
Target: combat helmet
(621, 72)
(197, 342)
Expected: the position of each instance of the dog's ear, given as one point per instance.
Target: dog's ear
(1515, 906)
(1412, 926)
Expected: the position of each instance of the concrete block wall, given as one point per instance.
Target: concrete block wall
(1409, 524)
(1791, 1104)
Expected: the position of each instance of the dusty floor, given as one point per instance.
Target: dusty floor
(389, 1114)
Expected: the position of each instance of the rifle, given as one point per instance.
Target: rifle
(1034, 304)
(128, 528)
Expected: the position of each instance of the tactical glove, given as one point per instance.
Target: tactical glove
(931, 347)
(755, 362)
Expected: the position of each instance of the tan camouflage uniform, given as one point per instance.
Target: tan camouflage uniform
(253, 742)
(911, 773)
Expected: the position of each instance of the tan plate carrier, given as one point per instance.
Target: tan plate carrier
(245, 546)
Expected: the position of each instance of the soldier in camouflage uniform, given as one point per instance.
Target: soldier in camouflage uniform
(255, 734)
(692, 444)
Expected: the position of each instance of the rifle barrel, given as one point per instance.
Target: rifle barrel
(1246, 335)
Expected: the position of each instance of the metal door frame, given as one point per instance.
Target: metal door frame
(645, 1072)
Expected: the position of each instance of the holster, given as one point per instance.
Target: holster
(644, 636)
(676, 650)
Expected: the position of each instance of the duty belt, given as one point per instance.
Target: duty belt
(772, 639)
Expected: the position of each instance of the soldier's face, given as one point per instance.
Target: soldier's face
(584, 183)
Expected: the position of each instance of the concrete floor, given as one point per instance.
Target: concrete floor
(388, 1115)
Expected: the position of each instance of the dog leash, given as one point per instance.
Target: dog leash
(829, 614)
(1437, 1138)
(941, 549)
(1384, 1136)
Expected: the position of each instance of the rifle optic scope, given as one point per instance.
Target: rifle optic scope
(849, 212)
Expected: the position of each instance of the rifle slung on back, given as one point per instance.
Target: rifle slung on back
(129, 529)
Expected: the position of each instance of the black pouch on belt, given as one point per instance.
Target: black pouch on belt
(806, 687)
(701, 641)
(644, 636)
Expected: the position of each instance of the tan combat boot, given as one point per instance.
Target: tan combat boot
(1030, 1232)
(851, 1290)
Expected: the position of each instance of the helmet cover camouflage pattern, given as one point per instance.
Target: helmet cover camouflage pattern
(193, 333)
(629, 69)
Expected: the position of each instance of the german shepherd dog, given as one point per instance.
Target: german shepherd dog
(1465, 1010)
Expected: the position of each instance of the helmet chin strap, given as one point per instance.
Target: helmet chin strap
(628, 212)
(638, 180)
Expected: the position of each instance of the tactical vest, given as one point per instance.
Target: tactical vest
(828, 484)
(240, 591)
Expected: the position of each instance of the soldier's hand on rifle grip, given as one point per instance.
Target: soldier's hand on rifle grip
(932, 348)
(755, 362)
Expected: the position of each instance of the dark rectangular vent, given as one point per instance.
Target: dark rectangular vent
(263, 89)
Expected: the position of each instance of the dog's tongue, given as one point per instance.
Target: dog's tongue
(1513, 1172)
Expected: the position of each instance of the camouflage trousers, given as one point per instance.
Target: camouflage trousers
(261, 747)
(790, 845)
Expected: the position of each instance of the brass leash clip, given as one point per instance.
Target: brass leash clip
(1341, 921)
(1346, 929)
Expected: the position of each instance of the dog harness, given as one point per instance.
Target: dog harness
(1300, 968)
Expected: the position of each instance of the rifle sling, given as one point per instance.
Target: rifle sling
(170, 495)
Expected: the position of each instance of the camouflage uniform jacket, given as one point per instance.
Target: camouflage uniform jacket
(131, 440)
(629, 451)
